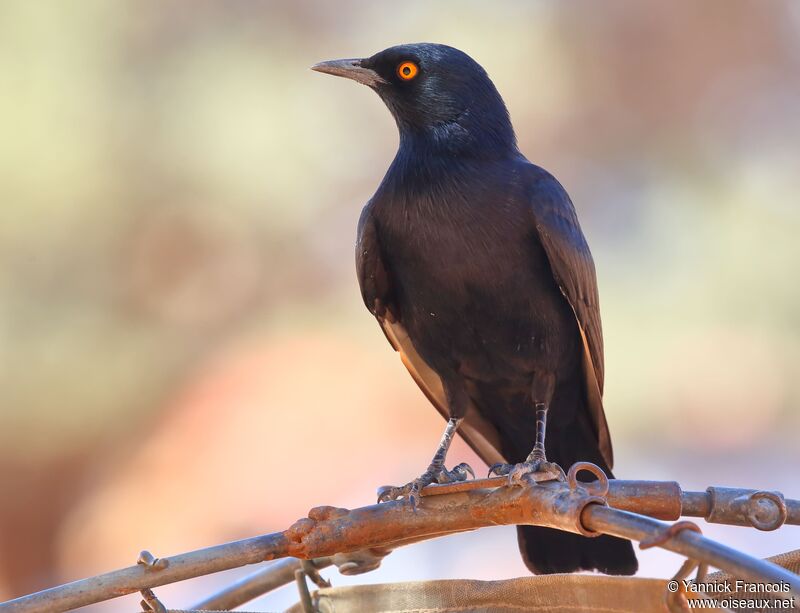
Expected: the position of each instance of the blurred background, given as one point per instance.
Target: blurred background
(184, 355)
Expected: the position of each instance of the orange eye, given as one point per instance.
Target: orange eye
(407, 71)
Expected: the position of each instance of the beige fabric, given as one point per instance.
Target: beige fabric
(789, 560)
(541, 594)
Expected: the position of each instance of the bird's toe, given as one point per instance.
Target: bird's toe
(460, 472)
(538, 469)
(412, 491)
(387, 493)
(499, 469)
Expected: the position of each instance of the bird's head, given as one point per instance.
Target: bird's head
(438, 95)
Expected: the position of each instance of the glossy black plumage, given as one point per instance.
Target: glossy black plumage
(474, 263)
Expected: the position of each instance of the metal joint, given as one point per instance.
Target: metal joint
(150, 562)
(150, 603)
(760, 509)
(668, 533)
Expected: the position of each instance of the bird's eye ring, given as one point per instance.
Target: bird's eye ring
(407, 71)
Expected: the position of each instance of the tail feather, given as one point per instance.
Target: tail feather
(546, 550)
(571, 437)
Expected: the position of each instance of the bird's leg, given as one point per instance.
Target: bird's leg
(538, 454)
(536, 464)
(436, 472)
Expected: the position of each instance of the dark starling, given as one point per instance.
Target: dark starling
(473, 262)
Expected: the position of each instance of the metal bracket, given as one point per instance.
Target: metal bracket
(150, 602)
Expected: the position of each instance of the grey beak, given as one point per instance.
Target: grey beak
(350, 69)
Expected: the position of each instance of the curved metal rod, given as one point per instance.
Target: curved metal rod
(660, 499)
(688, 543)
(256, 584)
(329, 531)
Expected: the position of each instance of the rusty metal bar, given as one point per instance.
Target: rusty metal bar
(666, 500)
(280, 573)
(760, 509)
(691, 544)
(328, 531)
(256, 584)
(135, 578)
(659, 499)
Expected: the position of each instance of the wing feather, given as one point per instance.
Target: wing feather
(376, 289)
(573, 268)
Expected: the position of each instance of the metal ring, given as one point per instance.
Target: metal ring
(600, 488)
(752, 509)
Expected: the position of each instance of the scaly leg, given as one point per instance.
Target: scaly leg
(436, 472)
(536, 463)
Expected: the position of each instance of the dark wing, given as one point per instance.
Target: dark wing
(377, 291)
(573, 268)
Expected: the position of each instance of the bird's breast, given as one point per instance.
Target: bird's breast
(471, 278)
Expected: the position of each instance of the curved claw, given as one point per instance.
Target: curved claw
(414, 496)
(457, 473)
(561, 476)
(434, 474)
(500, 469)
(543, 469)
(466, 469)
(387, 493)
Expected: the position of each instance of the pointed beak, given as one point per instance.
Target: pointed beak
(350, 69)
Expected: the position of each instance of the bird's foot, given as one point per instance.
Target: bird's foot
(434, 474)
(536, 465)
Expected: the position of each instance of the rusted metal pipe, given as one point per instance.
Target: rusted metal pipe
(262, 581)
(135, 578)
(658, 499)
(759, 509)
(764, 510)
(328, 531)
(688, 543)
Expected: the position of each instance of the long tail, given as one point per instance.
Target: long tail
(571, 438)
(545, 550)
